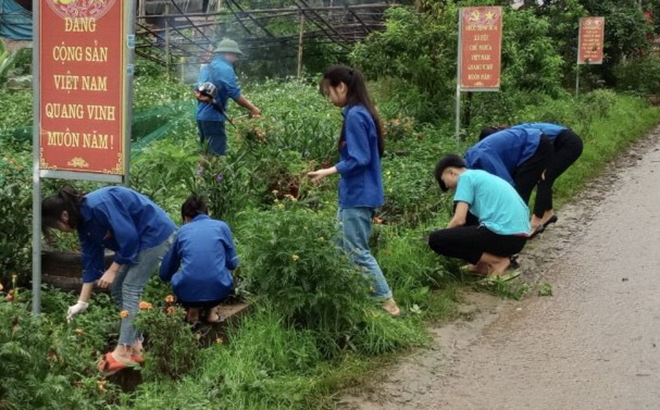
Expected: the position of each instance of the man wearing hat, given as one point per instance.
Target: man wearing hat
(217, 84)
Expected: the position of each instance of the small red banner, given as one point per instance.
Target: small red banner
(81, 82)
(480, 48)
(592, 38)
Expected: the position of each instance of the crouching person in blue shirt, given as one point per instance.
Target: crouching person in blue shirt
(503, 219)
(137, 230)
(200, 261)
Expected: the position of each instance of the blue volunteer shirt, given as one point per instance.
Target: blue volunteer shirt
(502, 152)
(205, 251)
(120, 219)
(221, 73)
(548, 129)
(494, 202)
(361, 182)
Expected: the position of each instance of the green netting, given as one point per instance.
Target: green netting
(148, 125)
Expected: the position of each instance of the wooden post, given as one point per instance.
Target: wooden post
(167, 39)
(142, 11)
(300, 43)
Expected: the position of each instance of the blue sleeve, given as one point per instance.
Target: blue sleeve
(171, 262)
(231, 256)
(464, 190)
(227, 78)
(203, 75)
(93, 254)
(356, 132)
(124, 231)
(492, 165)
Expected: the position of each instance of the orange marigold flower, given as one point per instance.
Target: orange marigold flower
(169, 298)
(170, 310)
(124, 314)
(145, 305)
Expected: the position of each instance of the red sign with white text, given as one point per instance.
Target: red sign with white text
(592, 38)
(480, 48)
(81, 81)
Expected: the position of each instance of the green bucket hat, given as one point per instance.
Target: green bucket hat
(228, 46)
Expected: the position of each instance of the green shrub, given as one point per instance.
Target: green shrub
(171, 345)
(16, 210)
(292, 260)
(640, 76)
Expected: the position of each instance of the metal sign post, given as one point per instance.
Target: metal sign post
(591, 40)
(479, 53)
(82, 86)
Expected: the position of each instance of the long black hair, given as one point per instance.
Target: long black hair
(356, 94)
(194, 205)
(67, 199)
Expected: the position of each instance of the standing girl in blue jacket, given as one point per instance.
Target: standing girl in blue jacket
(205, 253)
(137, 230)
(361, 147)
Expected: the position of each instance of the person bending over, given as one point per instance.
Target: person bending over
(503, 218)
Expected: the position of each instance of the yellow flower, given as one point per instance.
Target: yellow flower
(280, 206)
(295, 258)
(124, 314)
(169, 299)
(101, 385)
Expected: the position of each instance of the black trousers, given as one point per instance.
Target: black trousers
(528, 174)
(568, 148)
(470, 242)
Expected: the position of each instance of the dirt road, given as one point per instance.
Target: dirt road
(595, 344)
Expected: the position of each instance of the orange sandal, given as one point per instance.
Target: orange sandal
(109, 365)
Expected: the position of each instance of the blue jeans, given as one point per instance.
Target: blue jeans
(213, 137)
(355, 226)
(130, 282)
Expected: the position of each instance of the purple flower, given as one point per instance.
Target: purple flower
(199, 171)
(218, 178)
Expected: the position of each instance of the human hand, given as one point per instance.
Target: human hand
(203, 98)
(320, 174)
(107, 279)
(255, 113)
(79, 307)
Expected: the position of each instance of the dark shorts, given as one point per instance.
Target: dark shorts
(212, 137)
(206, 304)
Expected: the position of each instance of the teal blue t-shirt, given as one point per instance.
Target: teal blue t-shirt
(494, 202)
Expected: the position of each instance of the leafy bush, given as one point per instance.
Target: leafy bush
(171, 345)
(16, 210)
(640, 76)
(47, 363)
(293, 261)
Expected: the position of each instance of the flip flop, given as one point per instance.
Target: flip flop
(109, 365)
(550, 221)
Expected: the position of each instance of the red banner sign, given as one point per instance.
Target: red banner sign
(592, 38)
(480, 48)
(81, 82)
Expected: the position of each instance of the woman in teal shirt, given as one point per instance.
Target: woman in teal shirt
(503, 218)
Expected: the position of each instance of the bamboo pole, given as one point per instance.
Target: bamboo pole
(300, 43)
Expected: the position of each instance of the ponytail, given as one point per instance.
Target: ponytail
(356, 94)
